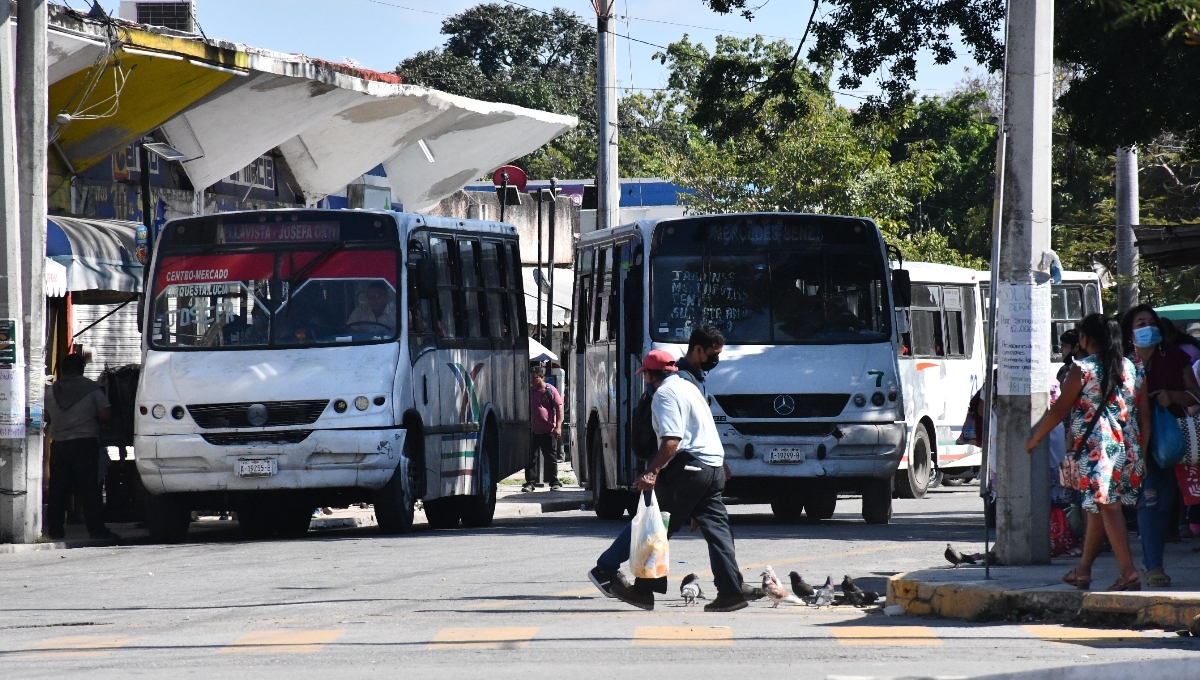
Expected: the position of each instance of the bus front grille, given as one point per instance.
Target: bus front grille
(278, 413)
(785, 429)
(782, 405)
(239, 438)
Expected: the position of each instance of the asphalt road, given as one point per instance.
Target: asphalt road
(510, 601)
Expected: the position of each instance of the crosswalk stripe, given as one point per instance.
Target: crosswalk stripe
(77, 645)
(482, 638)
(721, 636)
(1064, 634)
(290, 641)
(884, 635)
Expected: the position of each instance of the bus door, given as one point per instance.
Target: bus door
(630, 387)
(580, 377)
(963, 372)
(600, 369)
(426, 280)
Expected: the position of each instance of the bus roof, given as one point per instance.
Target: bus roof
(648, 226)
(930, 272)
(405, 221)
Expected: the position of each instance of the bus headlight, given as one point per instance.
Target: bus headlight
(159, 411)
(877, 399)
(860, 400)
(177, 412)
(340, 405)
(361, 403)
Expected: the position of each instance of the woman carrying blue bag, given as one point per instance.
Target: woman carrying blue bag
(1171, 387)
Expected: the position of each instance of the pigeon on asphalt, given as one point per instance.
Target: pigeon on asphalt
(690, 589)
(848, 585)
(775, 590)
(800, 588)
(825, 595)
(956, 558)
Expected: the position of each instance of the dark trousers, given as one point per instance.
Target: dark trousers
(543, 445)
(690, 490)
(75, 469)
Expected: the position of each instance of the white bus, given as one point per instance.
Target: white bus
(294, 359)
(807, 396)
(942, 357)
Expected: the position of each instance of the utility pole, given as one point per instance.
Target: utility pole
(1023, 288)
(14, 490)
(608, 184)
(1127, 219)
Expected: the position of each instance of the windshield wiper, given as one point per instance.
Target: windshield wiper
(303, 272)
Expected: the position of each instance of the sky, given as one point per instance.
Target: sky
(380, 33)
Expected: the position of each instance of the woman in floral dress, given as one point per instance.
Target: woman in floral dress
(1110, 461)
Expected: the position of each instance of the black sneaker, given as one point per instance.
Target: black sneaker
(630, 595)
(604, 580)
(526, 488)
(726, 603)
(752, 593)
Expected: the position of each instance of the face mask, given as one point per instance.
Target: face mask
(712, 362)
(1147, 336)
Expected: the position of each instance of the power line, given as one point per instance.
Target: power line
(411, 9)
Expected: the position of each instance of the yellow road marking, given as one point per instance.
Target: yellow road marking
(483, 638)
(1062, 634)
(78, 645)
(720, 636)
(283, 641)
(884, 635)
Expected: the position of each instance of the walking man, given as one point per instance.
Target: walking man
(704, 351)
(546, 419)
(688, 475)
(74, 408)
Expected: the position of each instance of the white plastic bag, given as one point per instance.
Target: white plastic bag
(648, 553)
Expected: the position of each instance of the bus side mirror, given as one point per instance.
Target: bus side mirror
(424, 274)
(901, 288)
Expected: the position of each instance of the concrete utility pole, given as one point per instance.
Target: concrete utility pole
(1023, 295)
(13, 481)
(1127, 219)
(32, 147)
(608, 184)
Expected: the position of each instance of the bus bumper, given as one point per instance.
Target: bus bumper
(864, 450)
(325, 459)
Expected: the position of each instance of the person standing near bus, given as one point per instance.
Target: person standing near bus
(75, 406)
(704, 351)
(545, 419)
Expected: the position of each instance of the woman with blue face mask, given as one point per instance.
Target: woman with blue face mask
(1171, 384)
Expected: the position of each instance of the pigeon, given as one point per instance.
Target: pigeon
(857, 596)
(848, 585)
(775, 590)
(800, 588)
(956, 558)
(825, 595)
(690, 589)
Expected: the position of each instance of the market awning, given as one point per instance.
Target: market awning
(97, 254)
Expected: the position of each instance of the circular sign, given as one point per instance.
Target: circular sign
(257, 415)
(516, 177)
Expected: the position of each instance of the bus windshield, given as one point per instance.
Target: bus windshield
(770, 279)
(229, 282)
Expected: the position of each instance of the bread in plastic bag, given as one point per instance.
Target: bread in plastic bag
(649, 556)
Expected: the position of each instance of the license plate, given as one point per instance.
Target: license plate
(257, 467)
(786, 454)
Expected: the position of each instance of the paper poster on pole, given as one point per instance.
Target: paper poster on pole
(12, 383)
(1022, 338)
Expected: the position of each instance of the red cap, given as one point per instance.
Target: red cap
(658, 360)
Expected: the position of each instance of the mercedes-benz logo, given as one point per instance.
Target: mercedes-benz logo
(257, 414)
(784, 405)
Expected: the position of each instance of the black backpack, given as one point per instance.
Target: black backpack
(644, 441)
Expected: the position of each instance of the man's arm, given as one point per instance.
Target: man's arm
(666, 449)
(560, 412)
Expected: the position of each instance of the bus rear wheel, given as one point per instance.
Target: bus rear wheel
(788, 509)
(166, 518)
(914, 482)
(608, 503)
(478, 510)
(877, 501)
(442, 513)
(821, 505)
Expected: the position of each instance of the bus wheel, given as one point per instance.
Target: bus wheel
(788, 505)
(877, 501)
(292, 520)
(442, 513)
(821, 504)
(914, 482)
(393, 507)
(166, 519)
(936, 479)
(608, 504)
(478, 509)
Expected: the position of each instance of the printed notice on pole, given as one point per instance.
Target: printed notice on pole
(1023, 338)
(12, 403)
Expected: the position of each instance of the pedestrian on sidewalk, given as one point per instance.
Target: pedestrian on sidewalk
(545, 420)
(688, 475)
(75, 406)
(1171, 383)
(1104, 397)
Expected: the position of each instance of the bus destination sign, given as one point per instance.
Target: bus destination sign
(281, 232)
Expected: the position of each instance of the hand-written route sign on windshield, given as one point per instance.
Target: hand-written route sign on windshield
(717, 297)
(281, 232)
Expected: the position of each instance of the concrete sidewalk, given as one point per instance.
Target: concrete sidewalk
(1015, 593)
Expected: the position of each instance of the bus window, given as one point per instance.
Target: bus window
(603, 287)
(583, 297)
(439, 249)
(516, 299)
(968, 314)
(1066, 310)
(497, 295)
(1091, 298)
(420, 310)
(952, 299)
(620, 259)
(471, 288)
(925, 319)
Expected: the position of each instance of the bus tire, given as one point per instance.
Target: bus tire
(821, 505)
(442, 513)
(788, 506)
(478, 510)
(292, 520)
(877, 501)
(393, 507)
(607, 503)
(166, 518)
(914, 482)
(936, 479)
